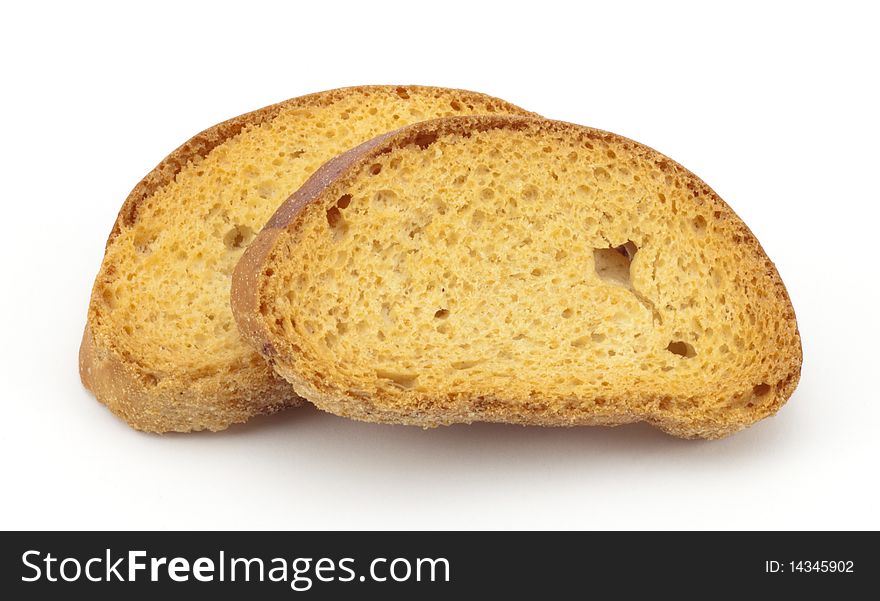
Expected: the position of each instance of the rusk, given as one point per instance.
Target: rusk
(518, 270)
(160, 348)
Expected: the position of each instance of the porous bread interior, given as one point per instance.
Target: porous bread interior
(531, 276)
(163, 291)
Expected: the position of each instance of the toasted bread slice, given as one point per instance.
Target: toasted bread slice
(160, 347)
(518, 270)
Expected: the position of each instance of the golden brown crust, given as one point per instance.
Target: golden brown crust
(157, 407)
(217, 401)
(247, 302)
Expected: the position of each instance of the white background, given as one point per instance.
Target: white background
(774, 105)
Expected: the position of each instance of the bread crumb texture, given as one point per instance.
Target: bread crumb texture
(163, 349)
(526, 271)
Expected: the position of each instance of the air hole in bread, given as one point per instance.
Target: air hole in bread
(401, 91)
(456, 105)
(375, 168)
(143, 241)
(401, 379)
(612, 264)
(580, 342)
(425, 140)
(238, 237)
(700, 223)
(441, 314)
(344, 201)
(567, 313)
(629, 249)
(761, 389)
(385, 197)
(334, 217)
(682, 349)
(108, 297)
(338, 224)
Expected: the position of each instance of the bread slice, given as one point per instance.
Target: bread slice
(518, 270)
(160, 347)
